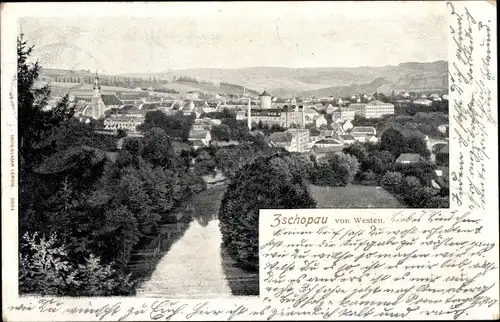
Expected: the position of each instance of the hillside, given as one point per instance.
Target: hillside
(281, 81)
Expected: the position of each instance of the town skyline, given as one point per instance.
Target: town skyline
(282, 36)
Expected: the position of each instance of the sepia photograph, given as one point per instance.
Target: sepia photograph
(148, 145)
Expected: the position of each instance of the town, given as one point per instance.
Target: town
(305, 125)
(143, 172)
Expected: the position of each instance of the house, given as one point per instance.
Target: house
(241, 115)
(445, 97)
(188, 108)
(131, 111)
(408, 158)
(193, 96)
(199, 135)
(202, 124)
(347, 139)
(346, 125)
(363, 130)
(326, 143)
(330, 109)
(406, 94)
(320, 121)
(119, 122)
(293, 140)
(435, 97)
(320, 153)
(443, 128)
(372, 139)
(282, 139)
(423, 102)
(326, 133)
(224, 143)
(344, 113)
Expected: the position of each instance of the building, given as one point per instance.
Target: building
(188, 108)
(265, 100)
(202, 124)
(377, 109)
(443, 128)
(347, 139)
(423, 102)
(320, 153)
(373, 109)
(193, 96)
(346, 125)
(199, 136)
(363, 130)
(293, 140)
(343, 113)
(122, 122)
(330, 109)
(408, 158)
(97, 106)
(310, 115)
(320, 121)
(358, 108)
(328, 143)
(241, 115)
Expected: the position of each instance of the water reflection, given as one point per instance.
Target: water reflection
(184, 255)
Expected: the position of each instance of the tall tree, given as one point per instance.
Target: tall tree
(34, 120)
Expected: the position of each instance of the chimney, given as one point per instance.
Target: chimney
(303, 117)
(249, 115)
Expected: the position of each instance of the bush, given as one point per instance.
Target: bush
(392, 181)
(257, 186)
(46, 269)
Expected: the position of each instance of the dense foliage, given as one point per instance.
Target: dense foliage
(267, 183)
(175, 126)
(84, 205)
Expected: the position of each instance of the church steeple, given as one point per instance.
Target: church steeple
(97, 105)
(97, 86)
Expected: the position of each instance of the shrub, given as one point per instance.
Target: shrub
(257, 186)
(46, 269)
(392, 181)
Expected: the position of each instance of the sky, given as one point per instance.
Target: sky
(120, 38)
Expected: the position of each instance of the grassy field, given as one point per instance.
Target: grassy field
(353, 196)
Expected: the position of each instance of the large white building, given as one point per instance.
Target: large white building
(373, 109)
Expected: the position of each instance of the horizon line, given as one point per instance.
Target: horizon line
(248, 67)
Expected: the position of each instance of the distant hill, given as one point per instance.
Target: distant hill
(285, 82)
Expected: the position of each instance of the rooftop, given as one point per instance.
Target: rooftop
(198, 134)
(265, 93)
(284, 137)
(409, 157)
(363, 129)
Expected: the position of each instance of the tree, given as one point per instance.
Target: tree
(357, 150)
(349, 162)
(392, 181)
(158, 149)
(393, 141)
(34, 121)
(256, 186)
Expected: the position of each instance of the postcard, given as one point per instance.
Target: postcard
(249, 161)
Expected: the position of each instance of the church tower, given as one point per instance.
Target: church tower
(97, 104)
